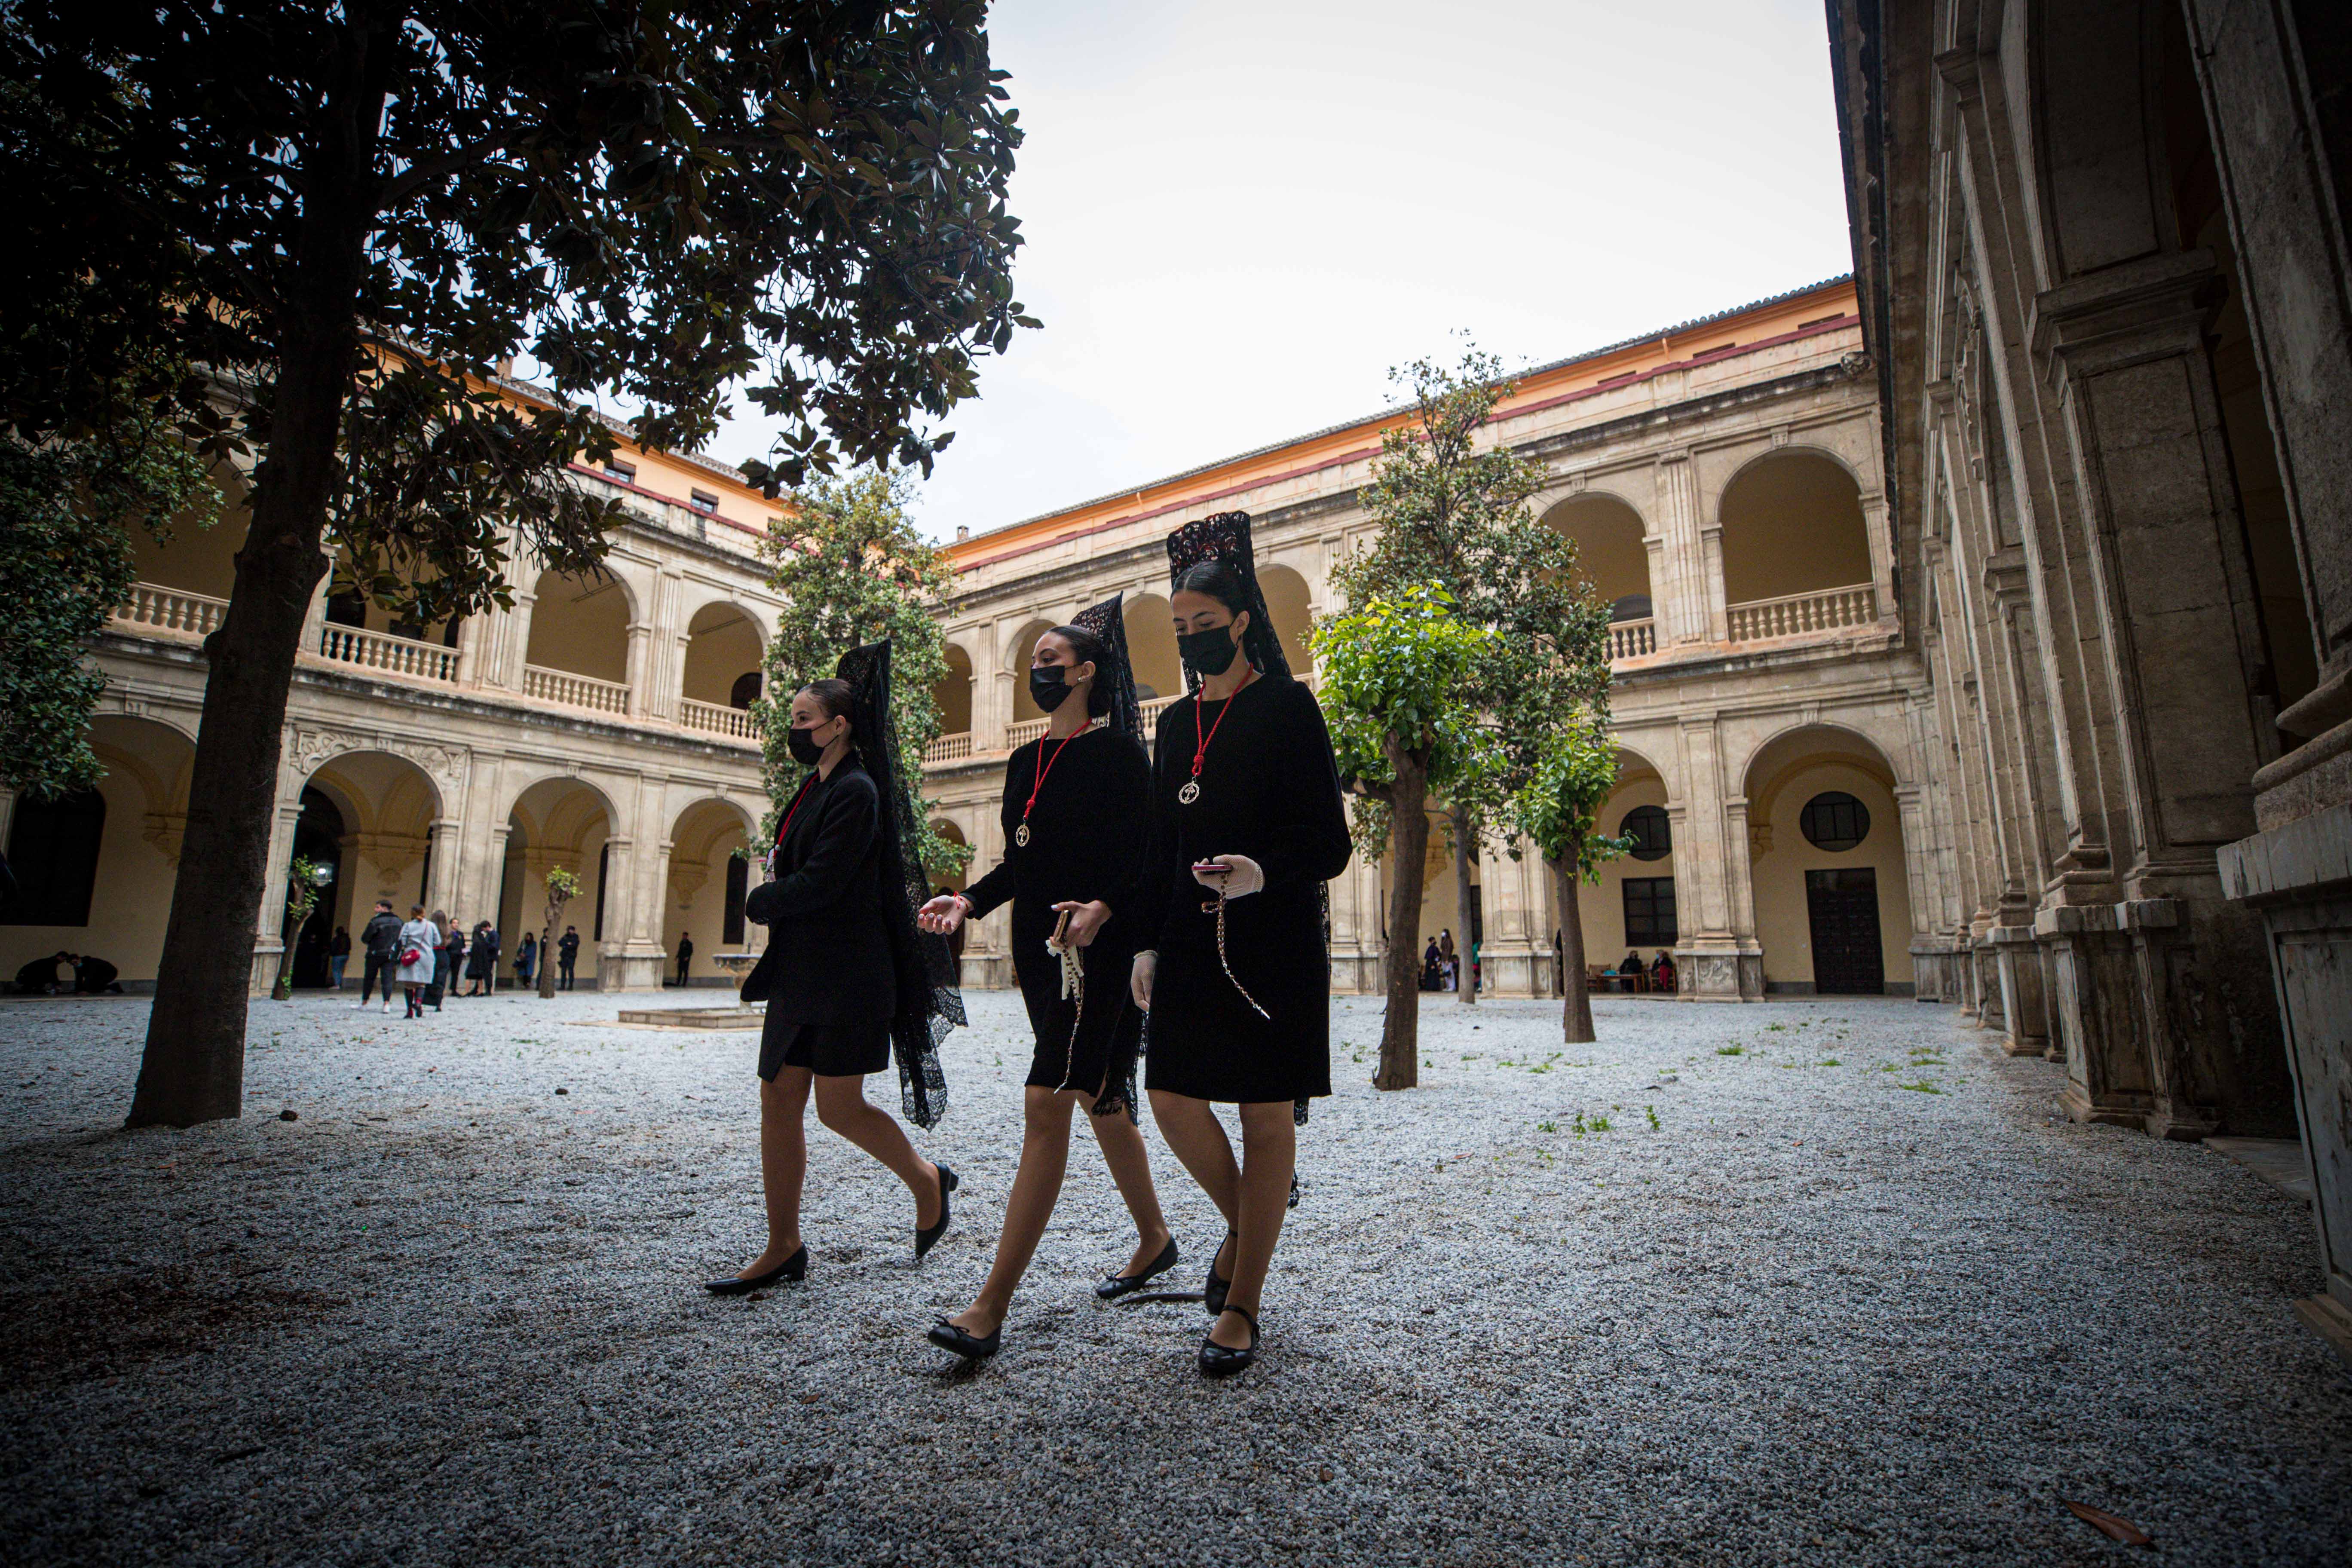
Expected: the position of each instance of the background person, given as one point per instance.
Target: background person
(339, 954)
(526, 957)
(419, 954)
(482, 961)
(685, 956)
(567, 953)
(93, 976)
(380, 941)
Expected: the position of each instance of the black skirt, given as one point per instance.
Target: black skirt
(828, 1050)
(1087, 1042)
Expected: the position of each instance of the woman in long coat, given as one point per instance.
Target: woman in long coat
(848, 980)
(419, 952)
(1247, 826)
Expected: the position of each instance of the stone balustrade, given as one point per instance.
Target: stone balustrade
(715, 718)
(953, 748)
(1631, 639)
(1800, 614)
(570, 690)
(150, 608)
(390, 655)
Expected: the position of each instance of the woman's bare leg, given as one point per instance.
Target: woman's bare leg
(1121, 1142)
(1269, 1153)
(1044, 1158)
(842, 1105)
(1198, 1137)
(783, 1163)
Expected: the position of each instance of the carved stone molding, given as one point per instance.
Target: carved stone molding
(445, 765)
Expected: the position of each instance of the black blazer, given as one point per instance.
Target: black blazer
(828, 958)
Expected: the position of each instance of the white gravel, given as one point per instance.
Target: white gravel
(1884, 1311)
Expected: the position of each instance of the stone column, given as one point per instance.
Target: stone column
(271, 917)
(504, 670)
(442, 884)
(1716, 958)
(640, 674)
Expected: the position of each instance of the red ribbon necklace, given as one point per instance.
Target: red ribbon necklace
(1191, 790)
(799, 796)
(1045, 766)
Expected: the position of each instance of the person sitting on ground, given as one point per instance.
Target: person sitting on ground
(39, 978)
(93, 976)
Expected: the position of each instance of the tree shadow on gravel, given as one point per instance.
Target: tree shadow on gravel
(102, 1327)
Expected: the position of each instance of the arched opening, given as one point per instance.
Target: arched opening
(1825, 853)
(185, 582)
(952, 694)
(1151, 647)
(1288, 604)
(319, 834)
(1636, 910)
(564, 823)
(1796, 558)
(380, 809)
(1610, 553)
(703, 911)
(579, 649)
(722, 648)
(1025, 712)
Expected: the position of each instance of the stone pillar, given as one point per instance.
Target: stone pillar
(2024, 1011)
(442, 882)
(271, 917)
(504, 668)
(1510, 911)
(1716, 958)
(640, 672)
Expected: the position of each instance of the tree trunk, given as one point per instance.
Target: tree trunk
(1465, 989)
(546, 954)
(1576, 1004)
(1409, 848)
(194, 1069)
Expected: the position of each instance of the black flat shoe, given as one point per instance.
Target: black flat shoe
(1223, 1360)
(972, 1347)
(1213, 1293)
(927, 1239)
(1118, 1285)
(792, 1268)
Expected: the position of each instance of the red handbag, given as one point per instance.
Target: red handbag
(412, 956)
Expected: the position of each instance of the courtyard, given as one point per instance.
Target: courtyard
(1824, 1278)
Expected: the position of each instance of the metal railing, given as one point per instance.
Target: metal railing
(156, 610)
(714, 718)
(1631, 639)
(575, 691)
(387, 654)
(1796, 615)
(948, 748)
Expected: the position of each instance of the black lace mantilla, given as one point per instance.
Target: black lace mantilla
(1225, 536)
(930, 1005)
(1106, 624)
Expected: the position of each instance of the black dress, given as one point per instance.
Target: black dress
(1268, 790)
(1085, 842)
(827, 976)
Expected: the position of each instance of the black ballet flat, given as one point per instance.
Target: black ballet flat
(1224, 1360)
(1118, 1285)
(1213, 1293)
(792, 1268)
(972, 1347)
(927, 1239)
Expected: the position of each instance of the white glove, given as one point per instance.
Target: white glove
(1244, 876)
(1139, 979)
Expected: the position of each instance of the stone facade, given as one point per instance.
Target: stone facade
(597, 726)
(2103, 261)
(1724, 481)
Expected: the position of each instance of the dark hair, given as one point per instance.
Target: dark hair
(1219, 580)
(1090, 650)
(838, 697)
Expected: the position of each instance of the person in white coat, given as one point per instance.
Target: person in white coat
(420, 946)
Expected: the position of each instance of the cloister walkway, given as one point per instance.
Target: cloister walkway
(1821, 1281)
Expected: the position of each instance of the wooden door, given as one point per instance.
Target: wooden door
(1843, 908)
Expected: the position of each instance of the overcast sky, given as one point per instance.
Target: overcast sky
(1241, 213)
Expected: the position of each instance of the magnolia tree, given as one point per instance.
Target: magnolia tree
(1394, 673)
(852, 570)
(1558, 809)
(355, 216)
(562, 887)
(1452, 509)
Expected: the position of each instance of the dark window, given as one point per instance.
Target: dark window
(604, 864)
(1631, 608)
(1649, 912)
(703, 500)
(739, 881)
(346, 610)
(1652, 834)
(616, 469)
(53, 851)
(1835, 821)
(746, 690)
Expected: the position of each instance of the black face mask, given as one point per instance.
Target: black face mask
(1209, 652)
(805, 749)
(1046, 687)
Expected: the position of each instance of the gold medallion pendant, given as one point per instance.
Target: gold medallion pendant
(1021, 835)
(1190, 793)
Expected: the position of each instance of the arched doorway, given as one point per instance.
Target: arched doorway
(559, 821)
(1796, 558)
(1609, 552)
(707, 884)
(1826, 861)
(384, 806)
(722, 677)
(579, 649)
(319, 836)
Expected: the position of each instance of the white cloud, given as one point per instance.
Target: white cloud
(1239, 216)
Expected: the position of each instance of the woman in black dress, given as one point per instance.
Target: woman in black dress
(1072, 801)
(1246, 811)
(845, 976)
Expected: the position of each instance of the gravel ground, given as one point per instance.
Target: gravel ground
(1852, 1295)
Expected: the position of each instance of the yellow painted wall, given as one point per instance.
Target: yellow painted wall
(1781, 922)
(1603, 907)
(128, 905)
(695, 898)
